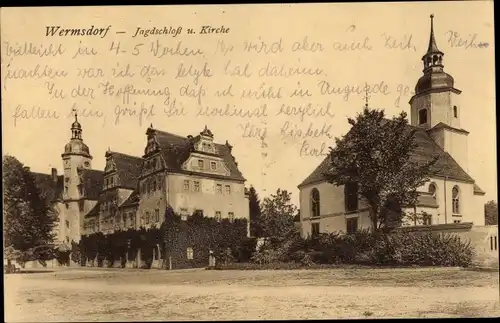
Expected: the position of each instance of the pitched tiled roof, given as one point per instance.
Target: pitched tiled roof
(128, 168)
(426, 150)
(92, 183)
(51, 188)
(132, 200)
(176, 150)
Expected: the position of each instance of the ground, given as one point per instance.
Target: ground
(100, 294)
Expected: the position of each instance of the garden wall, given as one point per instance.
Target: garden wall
(484, 239)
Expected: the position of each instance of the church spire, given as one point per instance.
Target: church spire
(432, 48)
(433, 59)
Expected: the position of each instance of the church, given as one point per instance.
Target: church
(450, 197)
(189, 174)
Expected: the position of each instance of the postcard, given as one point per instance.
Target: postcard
(249, 161)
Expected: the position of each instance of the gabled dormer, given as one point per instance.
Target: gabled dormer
(111, 176)
(204, 142)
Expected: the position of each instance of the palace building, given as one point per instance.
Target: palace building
(189, 174)
(450, 197)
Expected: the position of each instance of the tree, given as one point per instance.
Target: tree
(491, 213)
(277, 218)
(376, 155)
(255, 212)
(29, 217)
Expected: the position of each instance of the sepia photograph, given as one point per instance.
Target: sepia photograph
(249, 162)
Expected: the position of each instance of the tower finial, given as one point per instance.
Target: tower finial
(76, 114)
(367, 97)
(432, 48)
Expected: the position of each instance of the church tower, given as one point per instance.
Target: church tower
(76, 158)
(436, 104)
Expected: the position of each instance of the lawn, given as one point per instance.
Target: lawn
(98, 294)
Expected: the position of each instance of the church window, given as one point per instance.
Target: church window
(455, 111)
(315, 203)
(422, 116)
(432, 190)
(219, 189)
(186, 185)
(67, 224)
(455, 196)
(351, 197)
(190, 253)
(351, 225)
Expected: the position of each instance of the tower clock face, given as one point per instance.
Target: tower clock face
(86, 164)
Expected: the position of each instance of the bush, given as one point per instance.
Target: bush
(246, 249)
(370, 248)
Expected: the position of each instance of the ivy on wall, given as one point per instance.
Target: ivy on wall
(182, 243)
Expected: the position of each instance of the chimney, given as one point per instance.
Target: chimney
(54, 175)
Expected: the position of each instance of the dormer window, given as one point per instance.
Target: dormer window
(213, 165)
(422, 116)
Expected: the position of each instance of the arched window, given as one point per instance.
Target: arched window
(351, 197)
(422, 116)
(455, 111)
(432, 190)
(315, 203)
(455, 196)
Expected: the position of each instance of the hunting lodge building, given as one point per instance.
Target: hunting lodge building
(190, 174)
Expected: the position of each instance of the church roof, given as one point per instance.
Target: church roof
(478, 190)
(51, 188)
(426, 150)
(176, 150)
(128, 168)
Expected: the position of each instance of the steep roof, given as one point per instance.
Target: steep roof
(128, 168)
(92, 183)
(176, 150)
(50, 187)
(426, 150)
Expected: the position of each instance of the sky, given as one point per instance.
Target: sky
(330, 50)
